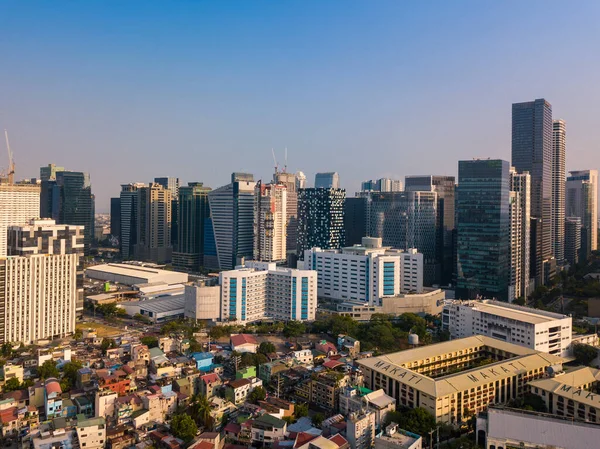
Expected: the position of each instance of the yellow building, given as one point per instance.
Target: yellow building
(455, 379)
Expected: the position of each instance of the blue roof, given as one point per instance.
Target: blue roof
(202, 355)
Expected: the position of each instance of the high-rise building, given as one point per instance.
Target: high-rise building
(76, 203)
(520, 234)
(115, 217)
(320, 219)
(172, 184)
(49, 173)
(289, 180)
(270, 220)
(154, 204)
(44, 282)
(406, 220)
(329, 180)
(355, 219)
(483, 229)
(382, 185)
(193, 211)
(532, 152)
(582, 202)
(559, 135)
(129, 218)
(18, 205)
(445, 187)
(572, 239)
(232, 218)
(169, 183)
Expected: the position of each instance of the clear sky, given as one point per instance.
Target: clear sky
(129, 90)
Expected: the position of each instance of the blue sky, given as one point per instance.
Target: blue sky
(197, 89)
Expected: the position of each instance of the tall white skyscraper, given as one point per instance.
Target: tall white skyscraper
(582, 202)
(19, 204)
(290, 180)
(558, 188)
(270, 222)
(520, 239)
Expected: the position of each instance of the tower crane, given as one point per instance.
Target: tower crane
(11, 161)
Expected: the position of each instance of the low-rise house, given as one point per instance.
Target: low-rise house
(84, 406)
(221, 407)
(303, 356)
(280, 407)
(396, 438)
(52, 399)
(118, 381)
(126, 406)
(84, 378)
(267, 430)
(210, 384)
(237, 390)
(326, 348)
(160, 366)
(244, 343)
(11, 370)
(204, 360)
(118, 438)
(320, 442)
(326, 388)
(104, 403)
(160, 405)
(266, 371)
(183, 386)
(246, 372)
(91, 432)
(349, 344)
(21, 397)
(211, 438)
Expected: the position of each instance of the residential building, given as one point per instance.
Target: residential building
(232, 219)
(329, 180)
(173, 185)
(91, 432)
(356, 399)
(203, 301)
(289, 180)
(582, 202)
(365, 272)
(407, 220)
(209, 384)
(483, 198)
(360, 429)
(348, 344)
(445, 187)
(396, 438)
(355, 220)
(270, 221)
(267, 430)
(572, 240)
(53, 400)
(154, 206)
(259, 290)
(382, 185)
(520, 235)
(448, 380)
(237, 391)
(559, 135)
(325, 389)
(532, 152)
(244, 343)
(320, 219)
(129, 219)
(19, 204)
(115, 217)
(303, 356)
(536, 329)
(270, 370)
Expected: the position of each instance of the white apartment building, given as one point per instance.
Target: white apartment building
(520, 240)
(91, 433)
(270, 222)
(377, 402)
(202, 301)
(18, 205)
(536, 329)
(260, 290)
(365, 272)
(360, 429)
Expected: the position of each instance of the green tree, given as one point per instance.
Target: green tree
(6, 349)
(294, 329)
(200, 409)
(108, 309)
(48, 370)
(418, 420)
(258, 394)
(70, 374)
(584, 354)
(184, 427)
(108, 343)
(12, 384)
(300, 410)
(195, 346)
(151, 342)
(266, 347)
(343, 325)
(317, 419)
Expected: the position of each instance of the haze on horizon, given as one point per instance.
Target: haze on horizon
(132, 90)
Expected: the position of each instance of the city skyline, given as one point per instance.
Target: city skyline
(220, 85)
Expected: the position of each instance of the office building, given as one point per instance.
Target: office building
(270, 220)
(382, 185)
(172, 184)
(559, 135)
(300, 180)
(76, 203)
(483, 229)
(329, 180)
(355, 220)
(320, 219)
(19, 204)
(193, 213)
(44, 236)
(232, 217)
(203, 300)
(365, 272)
(582, 202)
(260, 290)
(536, 329)
(115, 217)
(407, 220)
(49, 173)
(532, 152)
(572, 240)
(129, 219)
(520, 235)
(289, 180)
(448, 379)
(445, 187)
(153, 224)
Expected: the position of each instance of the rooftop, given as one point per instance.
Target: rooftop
(159, 305)
(402, 439)
(512, 311)
(241, 339)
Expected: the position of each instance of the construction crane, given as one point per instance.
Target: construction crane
(275, 160)
(11, 162)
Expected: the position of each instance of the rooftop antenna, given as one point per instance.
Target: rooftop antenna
(275, 160)
(11, 162)
(285, 166)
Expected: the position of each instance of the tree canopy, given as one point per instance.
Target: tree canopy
(184, 427)
(48, 370)
(417, 420)
(584, 354)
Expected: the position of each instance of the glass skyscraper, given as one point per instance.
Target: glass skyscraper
(330, 180)
(483, 229)
(320, 219)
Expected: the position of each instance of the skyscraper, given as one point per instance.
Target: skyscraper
(18, 204)
(129, 218)
(115, 217)
(355, 220)
(572, 239)
(582, 202)
(154, 224)
(193, 211)
(320, 219)
(232, 218)
(382, 185)
(291, 208)
(49, 173)
(483, 229)
(558, 188)
(76, 203)
(445, 187)
(172, 184)
(520, 234)
(532, 152)
(300, 180)
(329, 180)
(270, 222)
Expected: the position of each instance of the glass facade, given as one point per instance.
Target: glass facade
(76, 203)
(483, 229)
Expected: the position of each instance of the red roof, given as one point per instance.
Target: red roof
(339, 440)
(210, 378)
(8, 415)
(332, 364)
(302, 438)
(239, 383)
(233, 427)
(202, 445)
(241, 339)
(52, 386)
